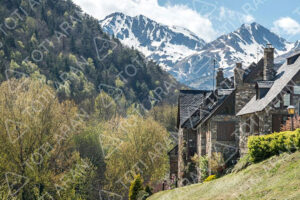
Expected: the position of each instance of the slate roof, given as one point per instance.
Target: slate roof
(207, 108)
(253, 70)
(196, 106)
(189, 101)
(283, 76)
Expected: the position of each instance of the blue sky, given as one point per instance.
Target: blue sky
(207, 18)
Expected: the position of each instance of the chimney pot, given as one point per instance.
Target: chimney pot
(220, 78)
(238, 74)
(239, 65)
(268, 71)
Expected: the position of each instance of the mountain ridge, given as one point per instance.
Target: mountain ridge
(193, 65)
(244, 45)
(163, 44)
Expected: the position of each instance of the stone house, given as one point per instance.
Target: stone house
(221, 120)
(267, 109)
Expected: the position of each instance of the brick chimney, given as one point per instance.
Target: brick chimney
(238, 75)
(220, 78)
(268, 63)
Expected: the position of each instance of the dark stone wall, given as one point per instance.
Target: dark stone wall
(173, 159)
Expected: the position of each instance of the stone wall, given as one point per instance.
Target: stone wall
(173, 159)
(244, 93)
(180, 157)
(187, 146)
(228, 148)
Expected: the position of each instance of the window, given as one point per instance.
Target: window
(262, 92)
(277, 105)
(191, 143)
(226, 131)
(287, 99)
(296, 89)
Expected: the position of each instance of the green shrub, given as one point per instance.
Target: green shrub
(265, 146)
(216, 163)
(135, 187)
(148, 191)
(210, 178)
(202, 164)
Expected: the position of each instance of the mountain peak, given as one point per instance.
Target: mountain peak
(115, 14)
(252, 26)
(158, 42)
(187, 57)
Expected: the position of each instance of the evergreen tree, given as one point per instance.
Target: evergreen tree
(135, 187)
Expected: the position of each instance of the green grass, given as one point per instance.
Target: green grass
(275, 178)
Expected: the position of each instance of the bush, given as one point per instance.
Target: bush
(288, 124)
(148, 190)
(202, 164)
(216, 163)
(135, 187)
(265, 146)
(210, 178)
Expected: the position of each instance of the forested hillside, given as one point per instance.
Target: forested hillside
(53, 40)
(76, 107)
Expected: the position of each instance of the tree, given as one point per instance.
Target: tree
(36, 146)
(166, 115)
(132, 146)
(89, 147)
(135, 187)
(105, 107)
(288, 124)
(148, 190)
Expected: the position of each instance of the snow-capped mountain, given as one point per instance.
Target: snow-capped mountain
(281, 58)
(243, 45)
(163, 44)
(186, 56)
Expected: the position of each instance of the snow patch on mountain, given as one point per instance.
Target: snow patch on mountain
(186, 56)
(244, 45)
(163, 44)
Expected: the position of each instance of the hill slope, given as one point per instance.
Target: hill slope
(275, 178)
(53, 40)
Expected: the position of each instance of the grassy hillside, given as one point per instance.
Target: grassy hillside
(275, 178)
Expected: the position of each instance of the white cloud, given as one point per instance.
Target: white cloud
(248, 18)
(178, 15)
(287, 26)
(227, 14)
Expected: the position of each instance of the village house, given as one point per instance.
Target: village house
(267, 110)
(253, 101)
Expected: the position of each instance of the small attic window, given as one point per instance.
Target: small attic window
(262, 92)
(292, 60)
(262, 88)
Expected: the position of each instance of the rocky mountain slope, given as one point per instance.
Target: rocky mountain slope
(244, 45)
(163, 44)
